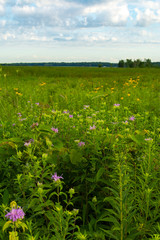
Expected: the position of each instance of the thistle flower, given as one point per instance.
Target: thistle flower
(55, 177)
(15, 214)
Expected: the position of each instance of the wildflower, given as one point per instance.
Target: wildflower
(86, 106)
(22, 119)
(42, 84)
(71, 116)
(54, 130)
(13, 124)
(65, 111)
(92, 128)
(19, 114)
(116, 104)
(138, 99)
(148, 139)
(37, 103)
(80, 144)
(15, 214)
(132, 118)
(55, 177)
(34, 125)
(121, 98)
(28, 143)
(129, 94)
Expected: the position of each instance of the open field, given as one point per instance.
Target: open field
(99, 130)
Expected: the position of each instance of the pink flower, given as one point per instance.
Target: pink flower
(55, 177)
(116, 104)
(80, 144)
(71, 116)
(15, 214)
(54, 130)
(92, 128)
(132, 118)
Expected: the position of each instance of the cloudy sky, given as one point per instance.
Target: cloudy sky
(79, 30)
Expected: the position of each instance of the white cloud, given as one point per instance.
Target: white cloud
(24, 10)
(7, 36)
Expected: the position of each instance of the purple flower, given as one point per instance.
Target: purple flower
(80, 144)
(13, 124)
(92, 128)
(86, 106)
(65, 111)
(71, 116)
(22, 119)
(54, 130)
(19, 114)
(37, 103)
(28, 143)
(148, 139)
(132, 118)
(116, 104)
(15, 214)
(55, 177)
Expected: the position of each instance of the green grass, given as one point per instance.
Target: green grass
(115, 175)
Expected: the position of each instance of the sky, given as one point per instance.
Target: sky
(79, 30)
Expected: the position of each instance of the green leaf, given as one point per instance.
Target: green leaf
(99, 174)
(75, 157)
(6, 197)
(7, 225)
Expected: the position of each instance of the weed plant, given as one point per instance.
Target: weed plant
(79, 153)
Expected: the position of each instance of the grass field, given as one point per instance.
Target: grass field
(79, 153)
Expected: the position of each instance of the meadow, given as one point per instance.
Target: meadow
(79, 153)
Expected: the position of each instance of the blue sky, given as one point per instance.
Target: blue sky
(79, 30)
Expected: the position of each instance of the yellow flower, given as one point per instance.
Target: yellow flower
(129, 94)
(20, 94)
(0, 89)
(112, 88)
(42, 84)
(121, 98)
(138, 99)
(16, 89)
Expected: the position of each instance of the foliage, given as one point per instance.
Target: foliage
(79, 153)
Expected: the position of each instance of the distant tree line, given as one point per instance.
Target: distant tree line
(129, 63)
(66, 64)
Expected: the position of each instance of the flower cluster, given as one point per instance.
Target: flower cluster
(15, 214)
